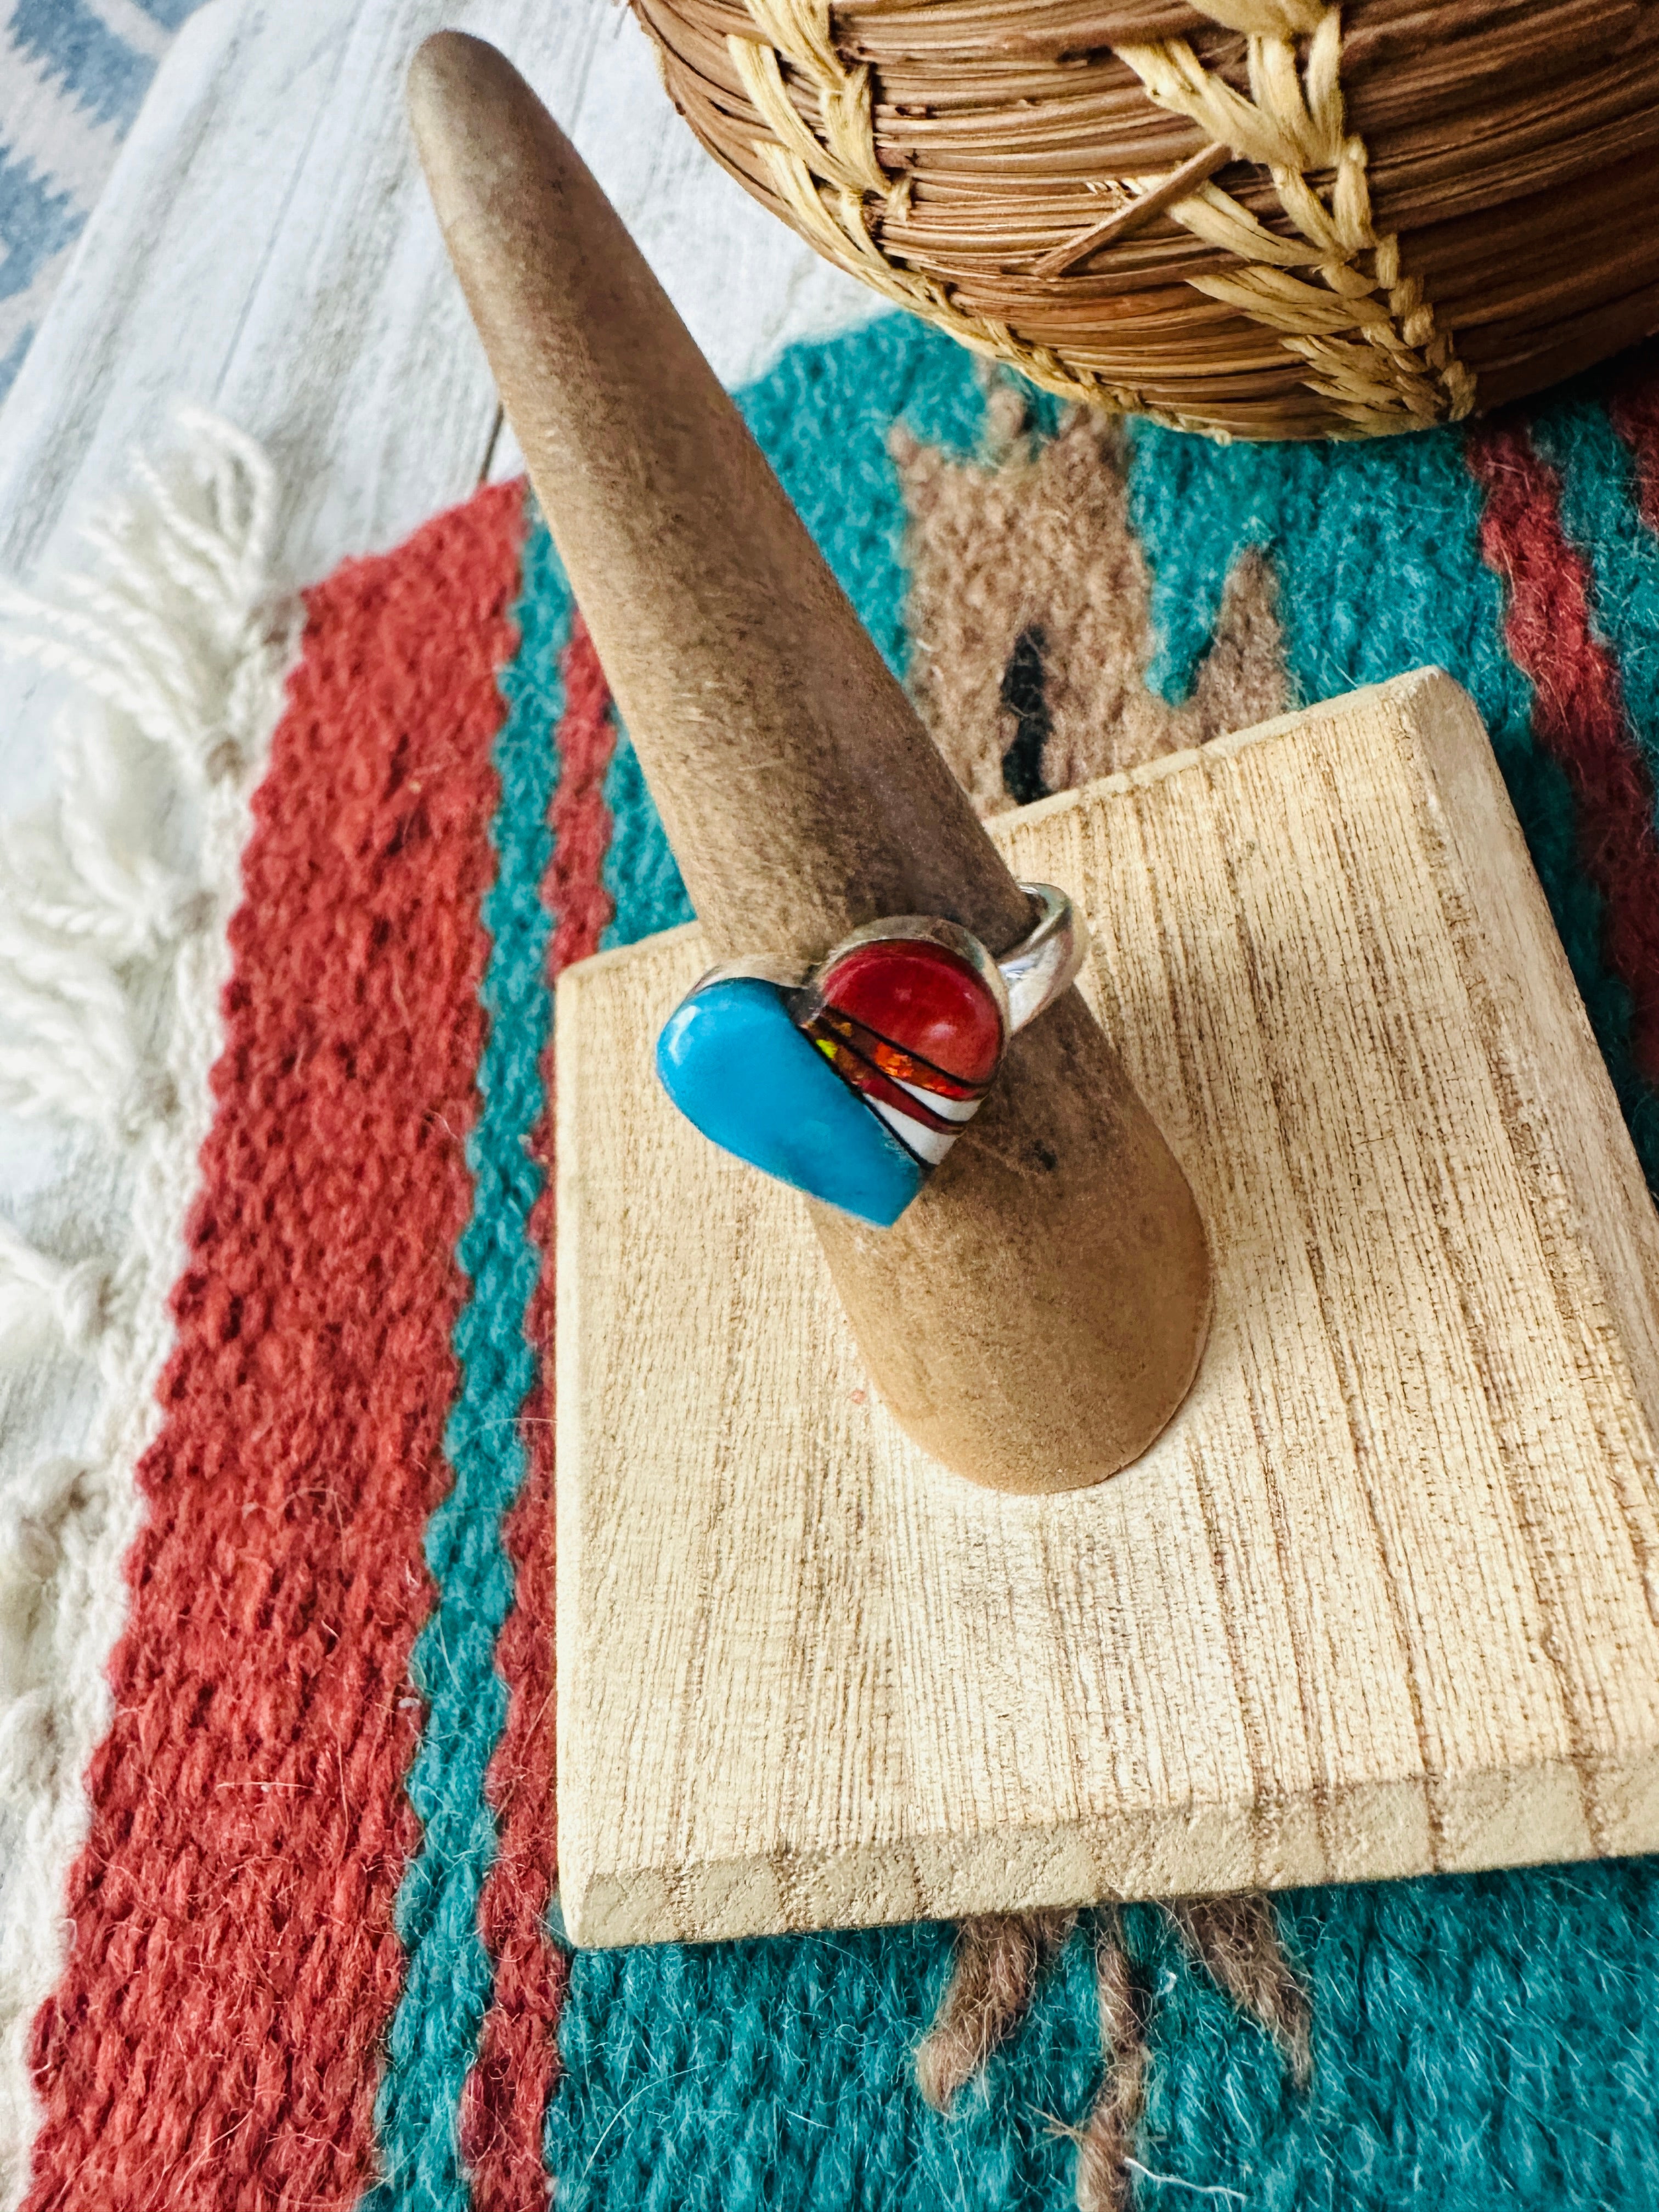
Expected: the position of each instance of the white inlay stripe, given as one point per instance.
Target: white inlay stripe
(928, 1144)
(953, 1109)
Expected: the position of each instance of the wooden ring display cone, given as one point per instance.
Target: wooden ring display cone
(1036, 1316)
(1375, 1596)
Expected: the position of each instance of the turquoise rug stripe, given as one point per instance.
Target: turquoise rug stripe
(740, 2077)
(434, 2032)
(640, 872)
(1479, 2042)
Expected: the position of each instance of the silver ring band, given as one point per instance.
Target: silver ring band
(1049, 961)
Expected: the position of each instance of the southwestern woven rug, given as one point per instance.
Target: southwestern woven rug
(276, 1652)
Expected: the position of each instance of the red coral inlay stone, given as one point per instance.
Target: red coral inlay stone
(925, 1001)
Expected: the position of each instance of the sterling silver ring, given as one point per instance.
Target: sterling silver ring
(1045, 964)
(852, 1082)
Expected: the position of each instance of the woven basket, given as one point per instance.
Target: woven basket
(1263, 219)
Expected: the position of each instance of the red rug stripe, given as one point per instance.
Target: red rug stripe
(505, 2108)
(1578, 711)
(213, 2041)
(1634, 409)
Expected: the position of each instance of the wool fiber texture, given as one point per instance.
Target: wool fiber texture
(311, 1949)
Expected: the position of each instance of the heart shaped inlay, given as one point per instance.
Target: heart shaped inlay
(850, 1088)
(732, 1059)
(915, 1029)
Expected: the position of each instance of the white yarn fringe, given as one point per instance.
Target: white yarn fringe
(114, 906)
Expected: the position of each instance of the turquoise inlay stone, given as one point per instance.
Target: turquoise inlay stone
(733, 1060)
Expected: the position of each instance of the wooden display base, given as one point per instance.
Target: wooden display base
(1385, 1596)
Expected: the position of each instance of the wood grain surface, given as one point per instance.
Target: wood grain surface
(1385, 1598)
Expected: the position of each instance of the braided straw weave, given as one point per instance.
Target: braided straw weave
(1262, 218)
